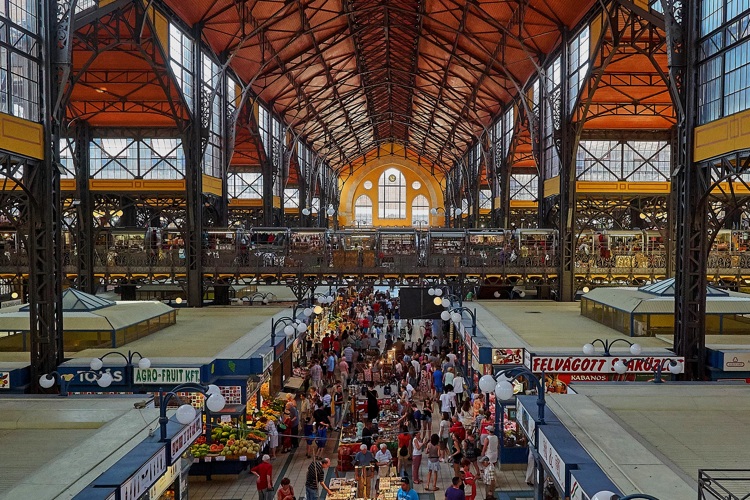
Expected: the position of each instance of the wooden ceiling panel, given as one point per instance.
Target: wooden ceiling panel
(352, 75)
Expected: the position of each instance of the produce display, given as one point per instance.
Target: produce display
(235, 440)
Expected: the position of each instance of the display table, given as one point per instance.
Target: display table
(293, 384)
(349, 444)
(349, 489)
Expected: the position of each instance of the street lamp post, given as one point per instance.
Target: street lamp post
(292, 327)
(675, 368)
(608, 495)
(186, 413)
(588, 349)
(504, 391)
(96, 364)
(502, 384)
(48, 380)
(455, 316)
(307, 311)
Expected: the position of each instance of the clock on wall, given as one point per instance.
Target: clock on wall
(392, 178)
(416, 185)
(368, 185)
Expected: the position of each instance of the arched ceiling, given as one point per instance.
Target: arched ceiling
(352, 75)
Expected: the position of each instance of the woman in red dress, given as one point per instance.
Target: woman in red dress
(286, 442)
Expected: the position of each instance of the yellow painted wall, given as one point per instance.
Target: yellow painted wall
(616, 187)
(22, 137)
(722, 136)
(161, 27)
(212, 185)
(353, 187)
(523, 204)
(136, 185)
(552, 186)
(242, 202)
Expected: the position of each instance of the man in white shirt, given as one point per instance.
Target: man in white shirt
(383, 457)
(458, 388)
(416, 366)
(409, 389)
(447, 403)
(451, 357)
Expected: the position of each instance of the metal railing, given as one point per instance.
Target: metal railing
(723, 484)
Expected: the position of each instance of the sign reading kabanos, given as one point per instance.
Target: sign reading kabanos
(597, 364)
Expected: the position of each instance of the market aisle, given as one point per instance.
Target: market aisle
(294, 466)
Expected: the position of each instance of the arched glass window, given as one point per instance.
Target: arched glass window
(420, 211)
(392, 195)
(363, 211)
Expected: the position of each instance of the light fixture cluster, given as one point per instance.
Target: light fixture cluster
(214, 402)
(502, 386)
(298, 327)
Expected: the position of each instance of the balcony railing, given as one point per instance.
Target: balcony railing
(724, 484)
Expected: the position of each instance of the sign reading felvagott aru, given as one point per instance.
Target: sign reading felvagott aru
(169, 376)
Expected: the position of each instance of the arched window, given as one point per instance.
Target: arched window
(363, 211)
(392, 195)
(420, 211)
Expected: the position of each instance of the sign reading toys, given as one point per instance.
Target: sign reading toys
(167, 376)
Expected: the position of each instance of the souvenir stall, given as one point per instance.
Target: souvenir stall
(350, 489)
(351, 435)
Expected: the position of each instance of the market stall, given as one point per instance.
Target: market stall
(235, 438)
(350, 489)
(350, 439)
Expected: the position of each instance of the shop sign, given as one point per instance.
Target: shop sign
(140, 482)
(551, 457)
(183, 439)
(267, 360)
(507, 356)
(86, 376)
(164, 482)
(525, 421)
(4, 380)
(475, 363)
(736, 361)
(597, 364)
(167, 376)
(576, 490)
(279, 349)
(588, 377)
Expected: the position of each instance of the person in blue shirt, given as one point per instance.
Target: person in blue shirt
(437, 378)
(405, 492)
(330, 365)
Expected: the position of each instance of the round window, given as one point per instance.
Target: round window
(368, 185)
(416, 185)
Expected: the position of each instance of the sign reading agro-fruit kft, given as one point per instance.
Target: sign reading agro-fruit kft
(167, 376)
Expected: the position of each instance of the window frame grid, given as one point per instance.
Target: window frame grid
(363, 210)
